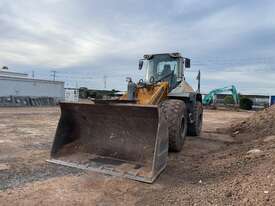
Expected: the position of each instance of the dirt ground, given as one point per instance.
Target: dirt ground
(213, 169)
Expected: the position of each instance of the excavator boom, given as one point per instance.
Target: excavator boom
(208, 99)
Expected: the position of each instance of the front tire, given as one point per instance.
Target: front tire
(176, 115)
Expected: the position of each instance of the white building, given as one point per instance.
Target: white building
(20, 85)
(71, 95)
(7, 73)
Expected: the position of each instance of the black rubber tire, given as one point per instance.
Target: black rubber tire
(175, 113)
(194, 129)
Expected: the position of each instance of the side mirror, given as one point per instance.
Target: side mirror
(187, 63)
(140, 64)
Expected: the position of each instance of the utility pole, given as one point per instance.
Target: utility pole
(105, 81)
(199, 81)
(33, 74)
(53, 74)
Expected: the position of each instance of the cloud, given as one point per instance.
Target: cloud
(97, 38)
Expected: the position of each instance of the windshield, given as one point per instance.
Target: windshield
(161, 67)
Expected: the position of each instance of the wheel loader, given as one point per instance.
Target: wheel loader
(131, 136)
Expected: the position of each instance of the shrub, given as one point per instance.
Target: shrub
(228, 100)
(83, 92)
(246, 103)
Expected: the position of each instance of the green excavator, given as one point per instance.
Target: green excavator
(209, 98)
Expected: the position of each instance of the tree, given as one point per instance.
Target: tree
(246, 103)
(228, 100)
(83, 92)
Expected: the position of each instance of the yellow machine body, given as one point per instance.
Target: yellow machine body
(151, 94)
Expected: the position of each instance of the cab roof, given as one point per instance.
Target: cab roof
(175, 55)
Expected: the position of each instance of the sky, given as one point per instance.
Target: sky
(87, 41)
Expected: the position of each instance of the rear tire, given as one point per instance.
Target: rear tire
(176, 115)
(194, 129)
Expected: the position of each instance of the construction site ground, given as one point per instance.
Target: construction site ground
(216, 168)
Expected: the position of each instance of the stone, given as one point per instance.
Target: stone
(269, 138)
(4, 166)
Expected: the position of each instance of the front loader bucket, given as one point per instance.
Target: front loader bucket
(115, 139)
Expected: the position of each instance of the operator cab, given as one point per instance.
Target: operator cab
(164, 67)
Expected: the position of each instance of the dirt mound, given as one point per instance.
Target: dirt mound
(260, 124)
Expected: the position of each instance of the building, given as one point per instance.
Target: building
(71, 94)
(7, 73)
(272, 100)
(259, 101)
(18, 88)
